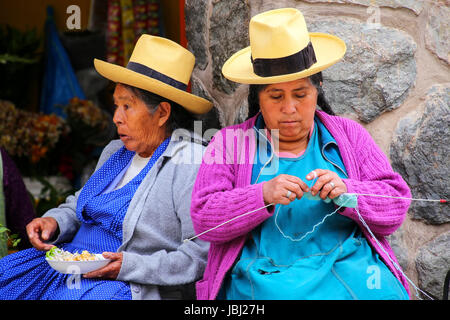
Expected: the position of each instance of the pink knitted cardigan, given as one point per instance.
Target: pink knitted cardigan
(223, 191)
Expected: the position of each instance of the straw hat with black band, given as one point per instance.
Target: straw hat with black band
(281, 49)
(160, 66)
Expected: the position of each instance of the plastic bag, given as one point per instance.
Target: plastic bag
(60, 83)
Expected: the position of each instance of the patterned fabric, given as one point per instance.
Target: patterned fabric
(146, 17)
(114, 44)
(127, 21)
(127, 27)
(26, 274)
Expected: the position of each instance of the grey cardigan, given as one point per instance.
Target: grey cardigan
(156, 262)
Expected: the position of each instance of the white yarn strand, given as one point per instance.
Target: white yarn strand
(395, 197)
(313, 228)
(387, 254)
(397, 267)
(228, 221)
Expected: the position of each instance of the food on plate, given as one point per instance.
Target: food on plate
(57, 254)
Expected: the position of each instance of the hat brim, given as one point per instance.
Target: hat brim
(123, 75)
(328, 50)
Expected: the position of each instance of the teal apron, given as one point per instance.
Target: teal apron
(282, 259)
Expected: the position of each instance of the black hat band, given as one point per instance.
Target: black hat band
(296, 62)
(149, 72)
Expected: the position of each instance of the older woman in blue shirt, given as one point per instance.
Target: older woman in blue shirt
(135, 207)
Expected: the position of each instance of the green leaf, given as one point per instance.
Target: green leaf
(3, 229)
(8, 58)
(51, 252)
(16, 242)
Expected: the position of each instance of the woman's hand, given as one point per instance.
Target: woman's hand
(40, 230)
(111, 270)
(283, 189)
(328, 184)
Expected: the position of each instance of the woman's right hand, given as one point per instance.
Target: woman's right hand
(40, 230)
(277, 189)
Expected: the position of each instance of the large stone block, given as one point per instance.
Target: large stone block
(433, 263)
(420, 153)
(437, 35)
(398, 244)
(228, 33)
(414, 5)
(212, 119)
(377, 71)
(196, 17)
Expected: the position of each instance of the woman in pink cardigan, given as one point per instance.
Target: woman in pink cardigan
(277, 196)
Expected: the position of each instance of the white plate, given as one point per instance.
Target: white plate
(78, 267)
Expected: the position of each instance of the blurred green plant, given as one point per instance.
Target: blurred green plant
(50, 197)
(19, 54)
(12, 239)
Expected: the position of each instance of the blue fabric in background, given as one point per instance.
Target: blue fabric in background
(60, 83)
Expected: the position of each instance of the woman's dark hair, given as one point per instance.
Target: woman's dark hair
(179, 117)
(316, 81)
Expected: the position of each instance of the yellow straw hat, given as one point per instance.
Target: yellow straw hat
(281, 49)
(160, 66)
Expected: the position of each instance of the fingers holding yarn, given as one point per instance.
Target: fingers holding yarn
(328, 184)
(283, 189)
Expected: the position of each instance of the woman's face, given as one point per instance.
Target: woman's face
(289, 107)
(139, 129)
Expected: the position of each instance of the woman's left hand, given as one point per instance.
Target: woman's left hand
(328, 184)
(111, 270)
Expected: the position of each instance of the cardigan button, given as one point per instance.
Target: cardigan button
(136, 289)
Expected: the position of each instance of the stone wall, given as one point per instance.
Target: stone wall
(394, 80)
